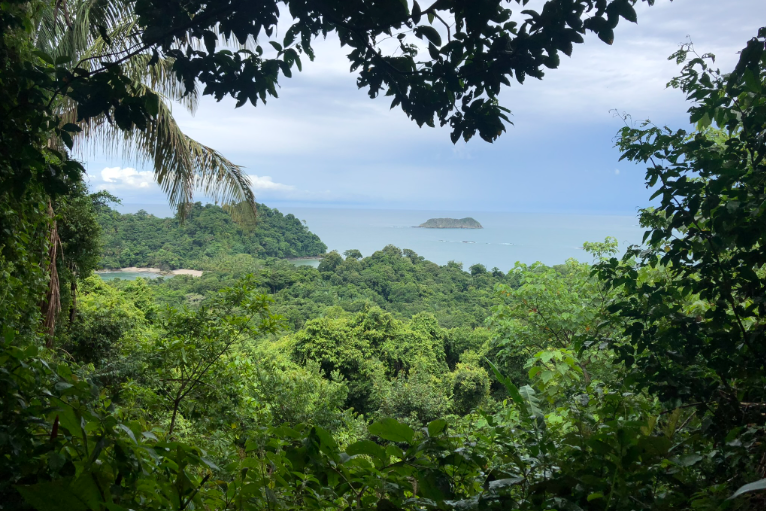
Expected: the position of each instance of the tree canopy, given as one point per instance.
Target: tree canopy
(633, 383)
(207, 232)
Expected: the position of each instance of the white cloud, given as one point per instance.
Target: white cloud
(126, 178)
(324, 140)
(265, 183)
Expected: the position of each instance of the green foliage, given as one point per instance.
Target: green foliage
(353, 254)
(105, 317)
(642, 384)
(330, 262)
(455, 80)
(291, 395)
(399, 281)
(207, 233)
(699, 293)
(192, 363)
(31, 172)
(558, 307)
(369, 347)
(416, 397)
(692, 297)
(64, 447)
(451, 223)
(470, 388)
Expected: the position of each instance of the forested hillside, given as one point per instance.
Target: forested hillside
(208, 231)
(386, 383)
(396, 280)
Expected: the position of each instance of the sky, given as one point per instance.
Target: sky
(324, 143)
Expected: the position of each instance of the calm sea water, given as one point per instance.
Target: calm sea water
(130, 275)
(505, 239)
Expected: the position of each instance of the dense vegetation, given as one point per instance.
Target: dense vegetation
(631, 384)
(398, 281)
(206, 232)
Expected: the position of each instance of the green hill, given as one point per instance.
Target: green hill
(145, 240)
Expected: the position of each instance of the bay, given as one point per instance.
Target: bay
(130, 275)
(550, 238)
(507, 237)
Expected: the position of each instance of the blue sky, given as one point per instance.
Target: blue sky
(324, 143)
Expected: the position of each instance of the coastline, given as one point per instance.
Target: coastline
(135, 269)
(427, 227)
(306, 258)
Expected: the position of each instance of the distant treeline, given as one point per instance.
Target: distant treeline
(145, 240)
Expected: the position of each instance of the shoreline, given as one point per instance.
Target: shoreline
(135, 269)
(424, 227)
(306, 258)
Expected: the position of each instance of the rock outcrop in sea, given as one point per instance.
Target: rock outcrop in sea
(451, 223)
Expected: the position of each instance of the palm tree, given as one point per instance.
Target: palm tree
(91, 31)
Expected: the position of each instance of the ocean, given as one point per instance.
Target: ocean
(505, 238)
(550, 238)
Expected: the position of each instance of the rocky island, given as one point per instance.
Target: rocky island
(451, 223)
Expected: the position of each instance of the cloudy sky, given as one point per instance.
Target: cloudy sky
(324, 143)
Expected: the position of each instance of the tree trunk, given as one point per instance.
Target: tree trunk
(73, 292)
(52, 304)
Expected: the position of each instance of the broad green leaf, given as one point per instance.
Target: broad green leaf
(528, 394)
(71, 127)
(435, 427)
(429, 33)
(327, 442)
(751, 82)
(513, 391)
(755, 486)
(433, 485)
(416, 12)
(51, 496)
(47, 58)
(689, 459)
(392, 430)
(504, 483)
(85, 488)
(395, 451)
(128, 431)
(628, 12)
(67, 138)
(367, 447)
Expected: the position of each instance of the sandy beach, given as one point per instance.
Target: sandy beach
(135, 269)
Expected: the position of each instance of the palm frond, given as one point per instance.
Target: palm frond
(98, 28)
(181, 164)
(72, 35)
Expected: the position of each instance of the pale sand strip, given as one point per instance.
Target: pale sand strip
(134, 269)
(193, 273)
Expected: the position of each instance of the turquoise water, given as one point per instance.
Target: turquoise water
(314, 263)
(130, 275)
(505, 239)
